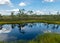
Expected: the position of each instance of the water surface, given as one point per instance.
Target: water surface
(26, 31)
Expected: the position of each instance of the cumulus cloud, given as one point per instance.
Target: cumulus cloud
(4, 13)
(15, 10)
(54, 12)
(48, 0)
(38, 12)
(8, 12)
(6, 2)
(22, 4)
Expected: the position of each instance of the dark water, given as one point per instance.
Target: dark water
(26, 31)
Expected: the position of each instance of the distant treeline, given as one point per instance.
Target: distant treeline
(21, 15)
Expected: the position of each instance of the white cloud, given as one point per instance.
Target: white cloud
(22, 4)
(6, 2)
(8, 12)
(38, 12)
(4, 13)
(48, 0)
(15, 10)
(54, 12)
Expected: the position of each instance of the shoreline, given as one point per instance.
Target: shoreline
(29, 21)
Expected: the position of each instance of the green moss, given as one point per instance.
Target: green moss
(47, 38)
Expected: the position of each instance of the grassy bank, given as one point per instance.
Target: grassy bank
(47, 38)
(29, 21)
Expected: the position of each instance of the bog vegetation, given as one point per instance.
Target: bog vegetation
(21, 16)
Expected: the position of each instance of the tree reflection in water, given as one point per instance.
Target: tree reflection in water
(46, 24)
(0, 27)
(13, 25)
(21, 28)
(30, 25)
(55, 26)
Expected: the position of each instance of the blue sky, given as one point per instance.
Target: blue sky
(36, 5)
